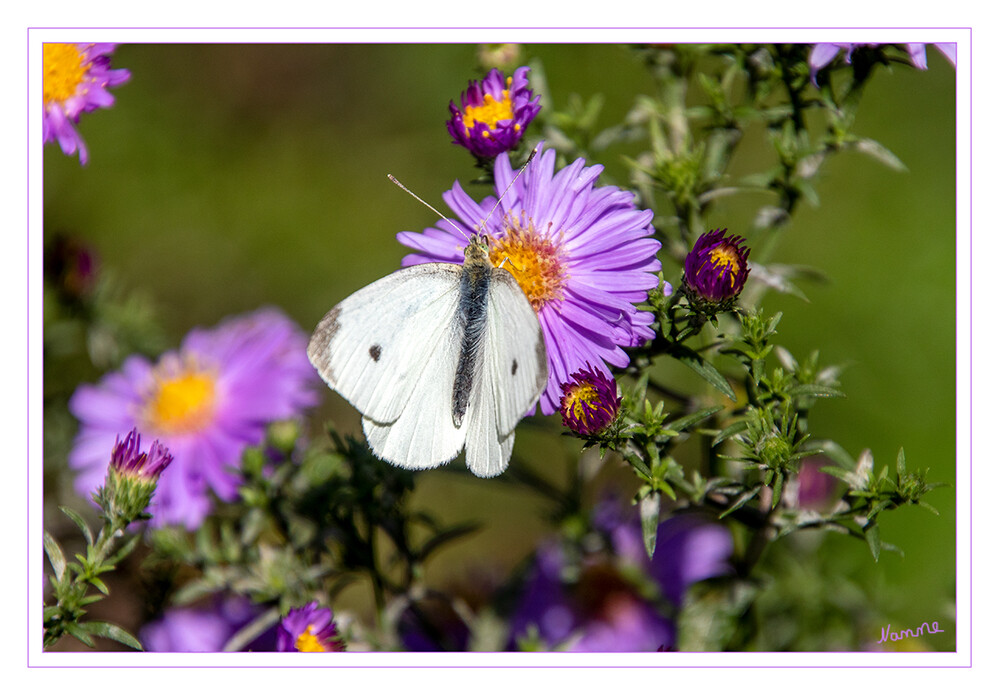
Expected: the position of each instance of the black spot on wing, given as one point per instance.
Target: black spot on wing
(513, 369)
(375, 351)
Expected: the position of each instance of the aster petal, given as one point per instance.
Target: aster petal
(949, 50)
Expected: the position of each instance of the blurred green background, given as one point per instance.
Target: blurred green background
(230, 176)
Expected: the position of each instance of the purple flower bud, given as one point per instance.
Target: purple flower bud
(590, 401)
(717, 267)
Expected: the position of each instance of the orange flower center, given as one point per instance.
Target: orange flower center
(534, 260)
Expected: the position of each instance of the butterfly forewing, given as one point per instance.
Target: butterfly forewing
(374, 347)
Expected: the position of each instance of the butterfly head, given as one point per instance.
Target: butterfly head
(477, 251)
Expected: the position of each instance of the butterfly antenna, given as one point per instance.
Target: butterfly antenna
(436, 211)
(482, 224)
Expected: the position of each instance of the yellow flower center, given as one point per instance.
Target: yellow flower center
(535, 262)
(307, 642)
(583, 401)
(63, 71)
(183, 400)
(490, 111)
(726, 259)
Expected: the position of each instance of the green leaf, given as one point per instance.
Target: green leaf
(101, 586)
(880, 152)
(78, 520)
(54, 553)
(742, 499)
(900, 464)
(692, 419)
(112, 632)
(648, 510)
(704, 369)
(815, 391)
(873, 535)
(734, 428)
(124, 551)
(79, 633)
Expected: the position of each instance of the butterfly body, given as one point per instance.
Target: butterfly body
(437, 357)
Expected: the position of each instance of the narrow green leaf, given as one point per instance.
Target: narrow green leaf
(101, 586)
(692, 419)
(734, 428)
(880, 153)
(79, 633)
(79, 521)
(648, 510)
(900, 464)
(112, 632)
(815, 391)
(873, 535)
(742, 499)
(124, 551)
(931, 508)
(54, 553)
(704, 369)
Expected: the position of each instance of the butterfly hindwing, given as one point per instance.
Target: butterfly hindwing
(511, 373)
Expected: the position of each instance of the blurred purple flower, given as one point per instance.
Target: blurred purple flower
(823, 54)
(204, 629)
(581, 254)
(431, 624)
(814, 487)
(309, 629)
(590, 605)
(206, 402)
(494, 113)
(75, 79)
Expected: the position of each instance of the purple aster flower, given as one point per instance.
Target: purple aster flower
(309, 629)
(204, 629)
(206, 402)
(590, 401)
(76, 78)
(717, 267)
(580, 253)
(493, 113)
(589, 604)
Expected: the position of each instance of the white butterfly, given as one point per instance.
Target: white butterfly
(437, 357)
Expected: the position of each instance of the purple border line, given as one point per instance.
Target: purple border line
(968, 29)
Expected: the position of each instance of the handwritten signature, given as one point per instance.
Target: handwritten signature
(887, 634)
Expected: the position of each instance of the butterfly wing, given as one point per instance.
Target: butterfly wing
(510, 377)
(381, 344)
